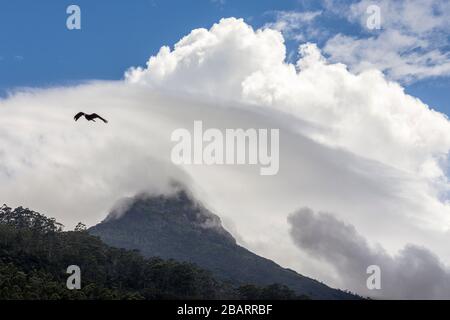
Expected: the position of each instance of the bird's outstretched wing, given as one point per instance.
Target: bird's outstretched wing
(94, 115)
(78, 115)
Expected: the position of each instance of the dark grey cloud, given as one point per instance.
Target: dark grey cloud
(413, 273)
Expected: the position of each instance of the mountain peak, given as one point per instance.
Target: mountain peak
(178, 210)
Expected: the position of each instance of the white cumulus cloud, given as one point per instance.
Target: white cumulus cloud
(232, 61)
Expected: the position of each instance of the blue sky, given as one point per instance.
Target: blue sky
(37, 49)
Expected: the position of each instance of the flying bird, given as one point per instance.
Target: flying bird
(89, 117)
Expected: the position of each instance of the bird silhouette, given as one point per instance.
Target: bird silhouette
(89, 117)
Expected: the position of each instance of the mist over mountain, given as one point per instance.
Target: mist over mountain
(178, 227)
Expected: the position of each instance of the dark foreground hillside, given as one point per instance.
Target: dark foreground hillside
(179, 228)
(35, 254)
